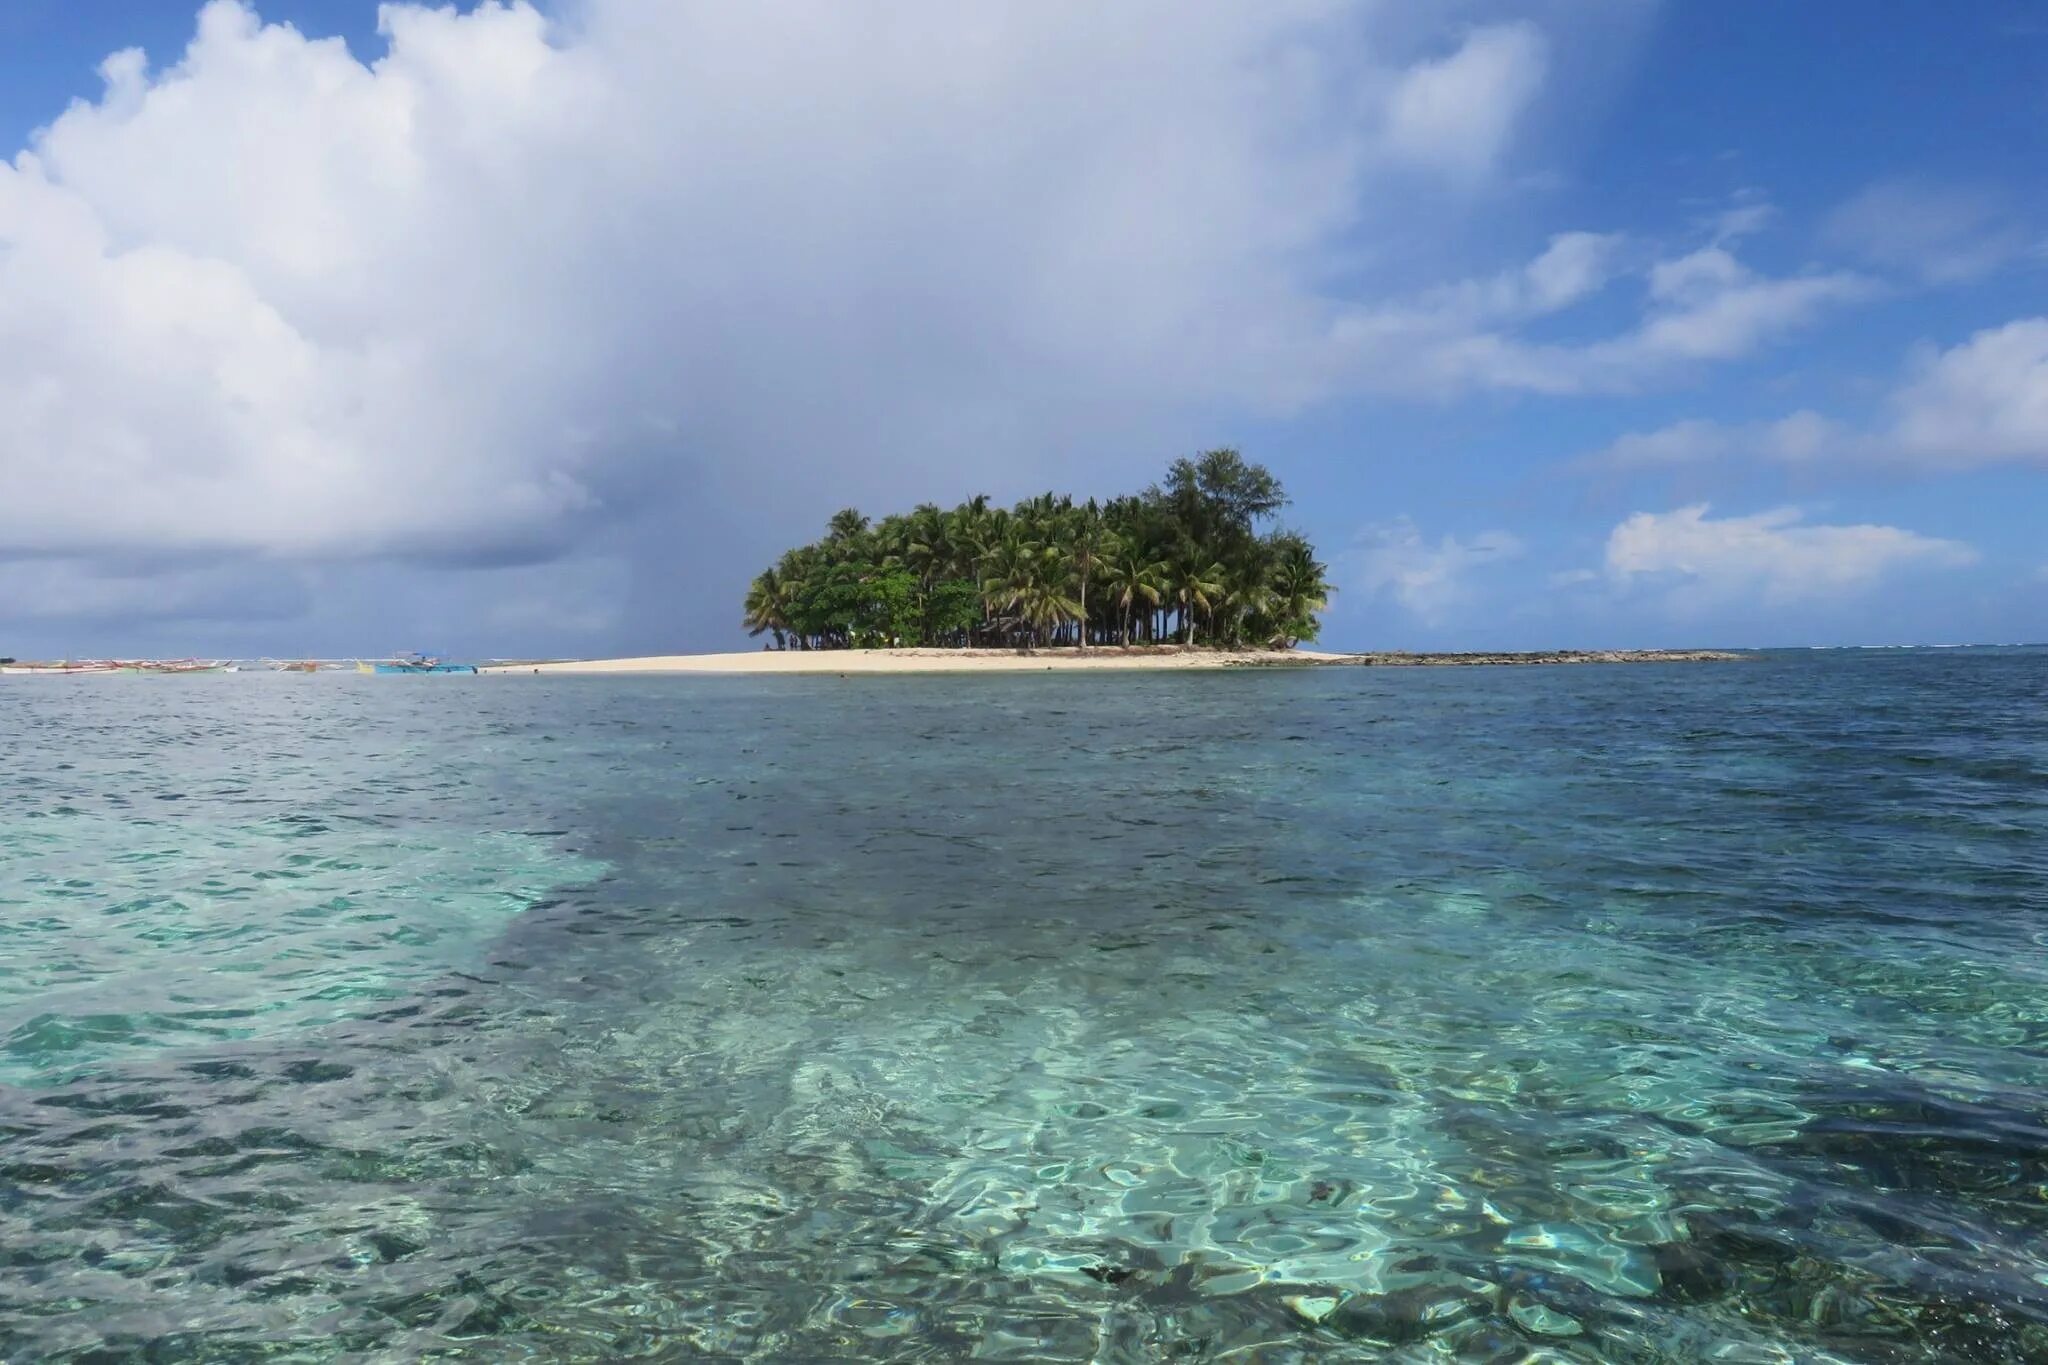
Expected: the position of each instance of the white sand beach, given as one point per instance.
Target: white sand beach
(933, 661)
(1100, 657)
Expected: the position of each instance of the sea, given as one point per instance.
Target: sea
(1596, 1013)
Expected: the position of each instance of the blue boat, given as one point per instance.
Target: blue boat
(417, 663)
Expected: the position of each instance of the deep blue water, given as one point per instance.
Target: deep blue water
(1596, 1014)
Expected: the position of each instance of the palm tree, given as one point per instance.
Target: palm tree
(1247, 599)
(1301, 590)
(847, 525)
(889, 542)
(1183, 558)
(1196, 586)
(768, 607)
(1132, 579)
(927, 548)
(1089, 542)
(1044, 604)
(1023, 582)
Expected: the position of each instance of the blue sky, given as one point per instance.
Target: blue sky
(505, 331)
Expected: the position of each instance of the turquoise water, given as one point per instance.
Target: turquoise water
(1645, 1013)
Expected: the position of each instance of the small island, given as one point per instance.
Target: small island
(1190, 573)
(1189, 561)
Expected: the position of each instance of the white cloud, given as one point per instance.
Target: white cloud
(1459, 112)
(518, 281)
(1751, 213)
(271, 300)
(1574, 265)
(1981, 402)
(1697, 278)
(517, 276)
(1693, 441)
(1700, 308)
(1714, 308)
(1802, 436)
(1429, 579)
(1945, 234)
(1571, 267)
(1771, 556)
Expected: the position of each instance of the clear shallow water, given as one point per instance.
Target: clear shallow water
(1634, 1014)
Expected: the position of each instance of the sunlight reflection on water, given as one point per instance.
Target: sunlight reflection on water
(1591, 1014)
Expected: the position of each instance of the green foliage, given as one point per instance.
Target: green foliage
(952, 609)
(1182, 561)
(891, 612)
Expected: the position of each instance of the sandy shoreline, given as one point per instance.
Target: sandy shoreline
(845, 661)
(929, 661)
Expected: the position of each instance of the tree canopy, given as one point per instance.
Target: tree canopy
(1189, 560)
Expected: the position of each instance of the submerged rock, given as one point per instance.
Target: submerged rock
(1405, 1314)
(1543, 1320)
(1687, 1274)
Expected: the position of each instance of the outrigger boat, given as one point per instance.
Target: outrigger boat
(119, 666)
(175, 666)
(62, 670)
(416, 663)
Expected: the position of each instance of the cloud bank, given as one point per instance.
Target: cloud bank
(1983, 401)
(1772, 558)
(574, 309)
(470, 299)
(636, 285)
(1696, 309)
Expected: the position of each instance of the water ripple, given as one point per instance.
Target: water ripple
(1600, 1014)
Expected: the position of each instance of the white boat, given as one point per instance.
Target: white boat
(60, 670)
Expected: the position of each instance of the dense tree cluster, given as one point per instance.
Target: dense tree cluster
(1186, 561)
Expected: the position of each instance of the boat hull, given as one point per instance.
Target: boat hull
(58, 671)
(177, 668)
(414, 668)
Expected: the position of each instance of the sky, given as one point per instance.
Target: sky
(508, 330)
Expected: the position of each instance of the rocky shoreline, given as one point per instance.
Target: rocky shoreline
(1403, 659)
